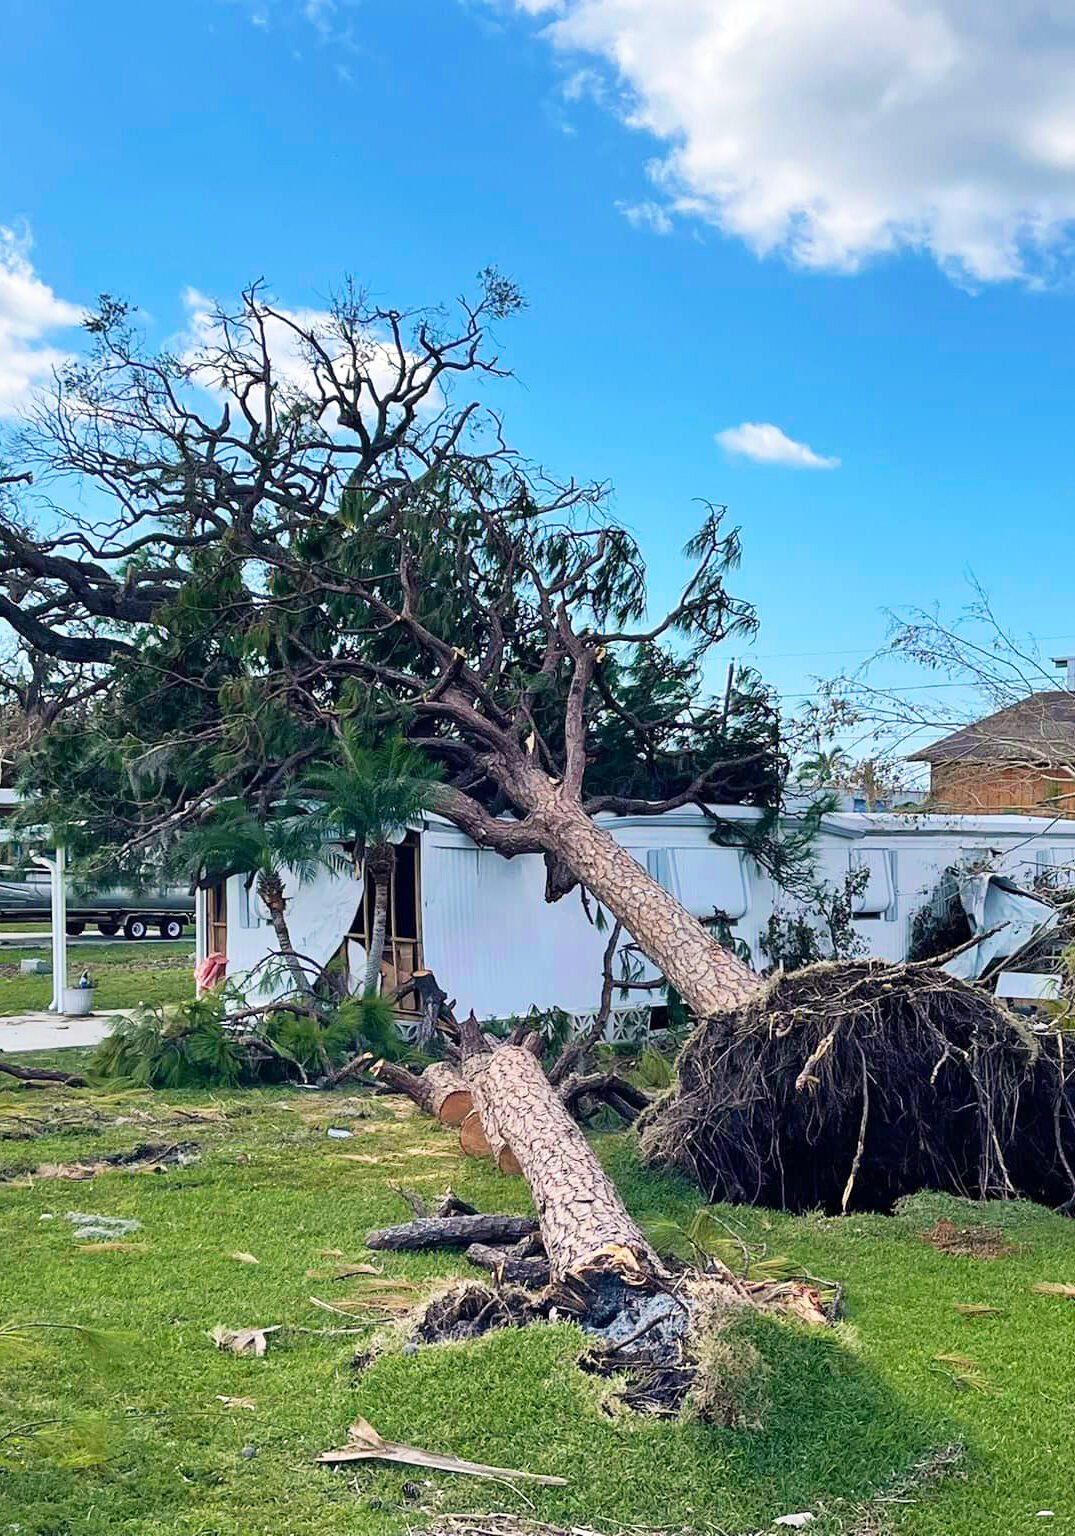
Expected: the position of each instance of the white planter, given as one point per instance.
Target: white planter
(77, 1002)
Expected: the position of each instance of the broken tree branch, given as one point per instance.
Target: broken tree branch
(452, 1232)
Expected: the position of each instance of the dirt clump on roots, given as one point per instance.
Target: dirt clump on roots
(847, 1085)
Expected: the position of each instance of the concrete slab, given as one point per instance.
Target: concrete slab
(46, 1032)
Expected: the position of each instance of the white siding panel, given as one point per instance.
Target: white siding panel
(494, 942)
(318, 916)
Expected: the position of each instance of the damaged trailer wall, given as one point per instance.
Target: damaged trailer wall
(498, 947)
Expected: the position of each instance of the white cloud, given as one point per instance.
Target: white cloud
(647, 215)
(766, 444)
(29, 313)
(836, 130)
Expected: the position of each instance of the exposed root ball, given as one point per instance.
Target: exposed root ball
(846, 1086)
(684, 1353)
(471, 1309)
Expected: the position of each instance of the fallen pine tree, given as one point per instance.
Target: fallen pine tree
(848, 1085)
(662, 1329)
(443, 1092)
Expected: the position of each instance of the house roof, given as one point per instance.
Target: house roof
(1039, 729)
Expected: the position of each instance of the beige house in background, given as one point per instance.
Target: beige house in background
(1021, 760)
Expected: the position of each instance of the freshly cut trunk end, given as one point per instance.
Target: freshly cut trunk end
(450, 1099)
(474, 1142)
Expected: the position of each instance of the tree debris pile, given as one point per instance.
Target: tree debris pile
(673, 1343)
(848, 1085)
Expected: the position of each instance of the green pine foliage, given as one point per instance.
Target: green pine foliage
(196, 1046)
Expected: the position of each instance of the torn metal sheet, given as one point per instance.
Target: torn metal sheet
(991, 901)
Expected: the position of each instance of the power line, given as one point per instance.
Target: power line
(857, 650)
(890, 687)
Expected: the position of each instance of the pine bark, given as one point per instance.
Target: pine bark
(451, 1232)
(508, 1266)
(439, 1090)
(41, 1075)
(584, 1223)
(708, 977)
(450, 1099)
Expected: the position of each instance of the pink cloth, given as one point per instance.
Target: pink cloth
(210, 972)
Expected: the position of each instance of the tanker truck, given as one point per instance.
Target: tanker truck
(165, 909)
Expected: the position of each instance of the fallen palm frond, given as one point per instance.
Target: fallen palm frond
(365, 1444)
(848, 1085)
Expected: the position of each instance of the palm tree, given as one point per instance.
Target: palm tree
(824, 768)
(232, 841)
(370, 796)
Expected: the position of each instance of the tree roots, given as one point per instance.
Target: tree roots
(848, 1085)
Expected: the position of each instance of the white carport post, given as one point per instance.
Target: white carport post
(201, 925)
(57, 868)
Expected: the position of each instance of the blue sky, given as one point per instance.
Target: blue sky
(849, 223)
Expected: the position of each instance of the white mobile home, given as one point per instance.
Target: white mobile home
(481, 923)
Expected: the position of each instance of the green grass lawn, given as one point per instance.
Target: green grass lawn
(143, 1443)
(124, 974)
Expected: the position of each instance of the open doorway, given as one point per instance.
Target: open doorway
(217, 912)
(403, 929)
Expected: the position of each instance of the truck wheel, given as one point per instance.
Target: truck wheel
(108, 929)
(135, 928)
(75, 928)
(171, 928)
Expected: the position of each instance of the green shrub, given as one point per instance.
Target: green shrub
(198, 1046)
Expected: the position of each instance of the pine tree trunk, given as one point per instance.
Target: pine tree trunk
(271, 891)
(439, 1090)
(708, 977)
(584, 1223)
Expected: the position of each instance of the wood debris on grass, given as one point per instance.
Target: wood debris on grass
(452, 1231)
(365, 1444)
(243, 1258)
(237, 1402)
(977, 1309)
(1053, 1288)
(244, 1341)
(968, 1242)
(147, 1157)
